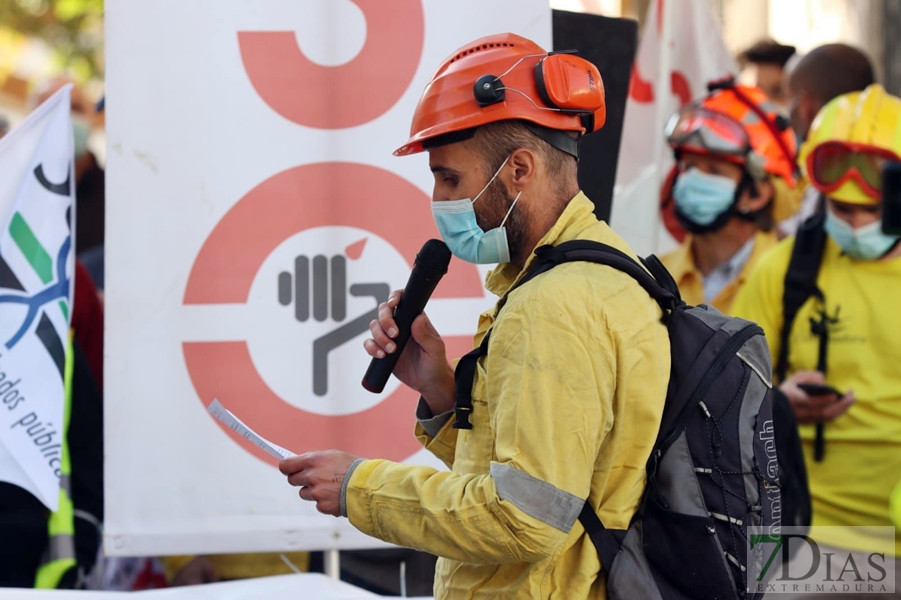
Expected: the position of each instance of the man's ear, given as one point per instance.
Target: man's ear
(524, 162)
(749, 203)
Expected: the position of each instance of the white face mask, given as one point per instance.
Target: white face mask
(864, 243)
(456, 220)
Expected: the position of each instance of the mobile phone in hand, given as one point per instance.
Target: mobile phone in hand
(815, 389)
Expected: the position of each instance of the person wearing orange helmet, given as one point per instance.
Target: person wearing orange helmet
(549, 423)
(835, 349)
(730, 147)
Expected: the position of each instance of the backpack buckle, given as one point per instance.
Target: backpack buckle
(461, 417)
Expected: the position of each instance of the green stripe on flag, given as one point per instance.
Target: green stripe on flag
(34, 253)
(65, 308)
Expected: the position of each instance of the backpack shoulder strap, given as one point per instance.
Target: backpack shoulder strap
(801, 280)
(607, 542)
(585, 250)
(464, 376)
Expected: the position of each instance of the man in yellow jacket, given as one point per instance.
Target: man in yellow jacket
(850, 336)
(567, 403)
(731, 148)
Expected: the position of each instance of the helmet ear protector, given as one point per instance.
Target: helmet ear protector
(565, 83)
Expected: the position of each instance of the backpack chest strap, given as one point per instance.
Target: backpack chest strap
(464, 376)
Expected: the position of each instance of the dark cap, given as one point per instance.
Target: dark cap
(768, 51)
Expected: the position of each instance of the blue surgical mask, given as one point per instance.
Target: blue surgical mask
(864, 243)
(456, 220)
(701, 198)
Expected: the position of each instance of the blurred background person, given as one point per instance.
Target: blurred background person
(92, 257)
(818, 77)
(729, 148)
(847, 334)
(763, 65)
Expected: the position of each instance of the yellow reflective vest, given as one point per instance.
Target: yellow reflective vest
(60, 554)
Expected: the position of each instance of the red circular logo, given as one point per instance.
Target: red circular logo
(302, 199)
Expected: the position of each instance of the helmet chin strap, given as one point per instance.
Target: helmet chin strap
(747, 182)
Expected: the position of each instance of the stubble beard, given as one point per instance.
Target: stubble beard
(497, 202)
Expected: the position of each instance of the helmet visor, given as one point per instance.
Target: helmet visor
(697, 128)
(831, 164)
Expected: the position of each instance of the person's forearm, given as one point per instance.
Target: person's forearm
(460, 517)
(440, 396)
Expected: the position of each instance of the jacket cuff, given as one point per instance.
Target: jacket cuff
(360, 493)
(342, 498)
(429, 422)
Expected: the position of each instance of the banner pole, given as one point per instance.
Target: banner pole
(332, 563)
(663, 93)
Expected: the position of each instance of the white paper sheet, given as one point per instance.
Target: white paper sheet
(223, 414)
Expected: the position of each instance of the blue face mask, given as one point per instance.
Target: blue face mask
(701, 198)
(864, 243)
(456, 220)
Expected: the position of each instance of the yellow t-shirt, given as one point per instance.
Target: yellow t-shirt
(862, 463)
(681, 265)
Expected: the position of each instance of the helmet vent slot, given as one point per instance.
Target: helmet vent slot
(480, 48)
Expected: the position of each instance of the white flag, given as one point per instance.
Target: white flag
(662, 81)
(36, 268)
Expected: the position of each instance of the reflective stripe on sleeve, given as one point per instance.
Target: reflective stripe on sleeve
(535, 497)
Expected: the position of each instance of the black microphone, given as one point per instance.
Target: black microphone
(428, 269)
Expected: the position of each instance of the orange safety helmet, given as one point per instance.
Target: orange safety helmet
(507, 77)
(738, 123)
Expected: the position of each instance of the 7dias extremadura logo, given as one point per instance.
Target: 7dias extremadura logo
(795, 560)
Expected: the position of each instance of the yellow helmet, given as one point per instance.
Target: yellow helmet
(850, 140)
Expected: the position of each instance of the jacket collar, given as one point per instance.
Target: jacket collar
(682, 265)
(576, 217)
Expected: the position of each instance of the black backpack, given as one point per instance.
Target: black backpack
(713, 471)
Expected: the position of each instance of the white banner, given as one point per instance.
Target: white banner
(36, 267)
(255, 219)
(313, 586)
(681, 49)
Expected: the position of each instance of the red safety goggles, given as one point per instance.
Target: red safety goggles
(697, 128)
(831, 164)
